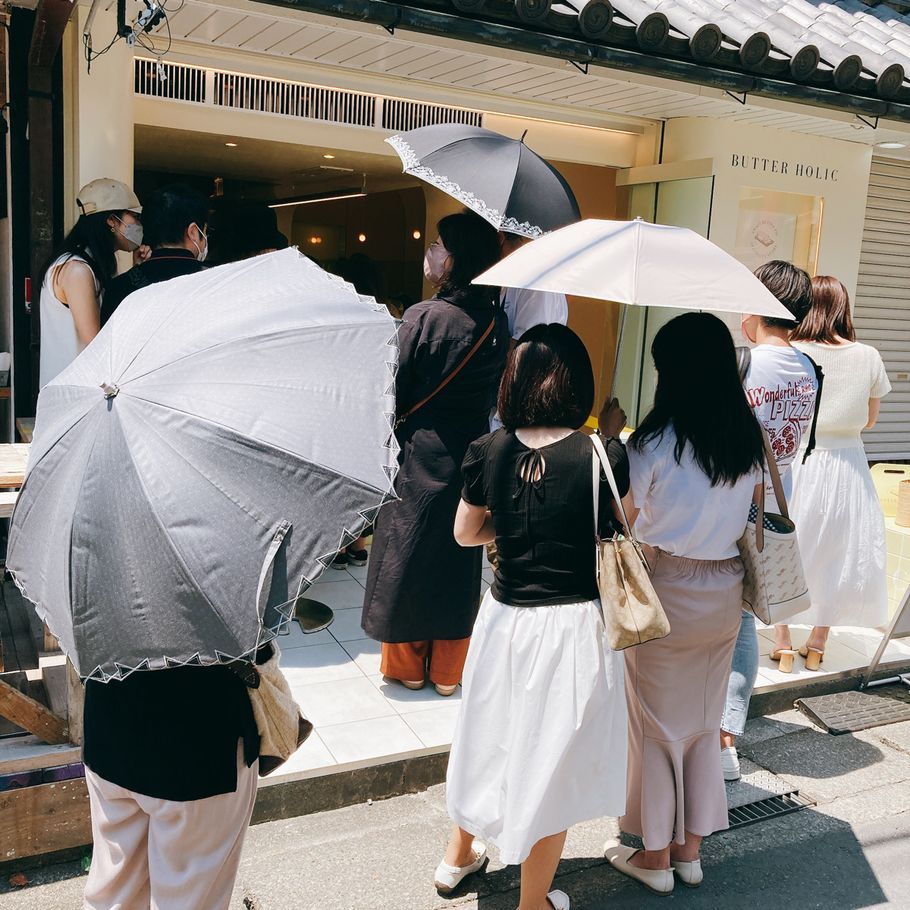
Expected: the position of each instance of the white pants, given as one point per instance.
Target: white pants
(159, 854)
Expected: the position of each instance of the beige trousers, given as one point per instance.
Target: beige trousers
(159, 854)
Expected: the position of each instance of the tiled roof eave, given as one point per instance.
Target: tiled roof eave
(438, 17)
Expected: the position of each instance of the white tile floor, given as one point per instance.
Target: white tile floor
(358, 715)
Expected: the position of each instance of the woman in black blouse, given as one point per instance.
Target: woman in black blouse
(541, 739)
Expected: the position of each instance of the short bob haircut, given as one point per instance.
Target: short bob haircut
(548, 381)
(473, 245)
(791, 286)
(829, 319)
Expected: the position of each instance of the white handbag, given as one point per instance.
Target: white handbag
(774, 587)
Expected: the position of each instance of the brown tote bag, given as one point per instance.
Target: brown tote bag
(631, 608)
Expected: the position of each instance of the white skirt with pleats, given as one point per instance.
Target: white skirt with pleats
(540, 743)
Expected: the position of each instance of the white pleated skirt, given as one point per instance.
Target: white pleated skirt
(540, 742)
(841, 533)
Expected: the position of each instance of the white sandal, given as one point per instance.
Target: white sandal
(448, 878)
(559, 900)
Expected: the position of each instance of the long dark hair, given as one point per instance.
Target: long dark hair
(700, 398)
(92, 239)
(473, 245)
(829, 317)
(548, 380)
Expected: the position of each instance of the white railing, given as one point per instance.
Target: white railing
(261, 94)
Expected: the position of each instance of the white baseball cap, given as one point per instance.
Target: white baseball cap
(107, 195)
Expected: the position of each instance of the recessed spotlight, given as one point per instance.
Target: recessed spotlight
(231, 145)
(329, 157)
(416, 235)
(362, 238)
(892, 145)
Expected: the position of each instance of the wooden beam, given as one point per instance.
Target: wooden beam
(31, 715)
(75, 703)
(44, 819)
(51, 18)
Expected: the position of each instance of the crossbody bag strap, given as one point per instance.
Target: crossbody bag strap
(450, 377)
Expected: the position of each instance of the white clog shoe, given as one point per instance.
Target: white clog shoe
(448, 878)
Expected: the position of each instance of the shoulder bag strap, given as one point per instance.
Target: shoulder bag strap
(451, 376)
(601, 458)
(819, 379)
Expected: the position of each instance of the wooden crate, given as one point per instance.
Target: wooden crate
(43, 819)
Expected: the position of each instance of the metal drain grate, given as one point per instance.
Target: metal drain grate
(763, 809)
(850, 712)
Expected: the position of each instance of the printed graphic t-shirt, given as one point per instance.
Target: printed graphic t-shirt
(781, 389)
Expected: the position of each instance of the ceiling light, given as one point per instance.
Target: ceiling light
(416, 235)
(329, 157)
(362, 238)
(318, 197)
(892, 145)
(231, 145)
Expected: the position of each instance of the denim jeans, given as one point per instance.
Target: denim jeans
(742, 677)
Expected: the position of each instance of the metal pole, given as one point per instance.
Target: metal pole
(873, 666)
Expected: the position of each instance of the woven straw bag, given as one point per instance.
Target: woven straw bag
(631, 608)
(774, 587)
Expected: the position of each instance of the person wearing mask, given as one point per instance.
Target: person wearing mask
(171, 755)
(174, 222)
(80, 272)
(693, 481)
(423, 590)
(842, 543)
(781, 386)
(541, 737)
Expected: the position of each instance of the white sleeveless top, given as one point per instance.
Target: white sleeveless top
(59, 343)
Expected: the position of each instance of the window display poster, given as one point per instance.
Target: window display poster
(777, 225)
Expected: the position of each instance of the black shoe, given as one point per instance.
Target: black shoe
(358, 557)
(340, 561)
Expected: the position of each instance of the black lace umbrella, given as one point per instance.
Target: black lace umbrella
(499, 178)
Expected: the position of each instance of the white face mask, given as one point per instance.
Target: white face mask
(131, 232)
(203, 251)
(436, 264)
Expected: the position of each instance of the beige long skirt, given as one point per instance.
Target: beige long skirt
(675, 690)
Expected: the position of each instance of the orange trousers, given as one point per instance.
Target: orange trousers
(410, 660)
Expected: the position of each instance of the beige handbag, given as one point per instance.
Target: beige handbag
(631, 608)
(282, 728)
(774, 587)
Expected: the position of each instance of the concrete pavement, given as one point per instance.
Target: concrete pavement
(850, 851)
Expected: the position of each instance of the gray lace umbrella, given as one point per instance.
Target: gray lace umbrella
(499, 178)
(226, 429)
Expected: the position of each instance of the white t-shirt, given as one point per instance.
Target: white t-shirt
(781, 388)
(525, 309)
(680, 511)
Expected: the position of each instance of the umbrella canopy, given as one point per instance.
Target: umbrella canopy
(638, 263)
(499, 178)
(219, 419)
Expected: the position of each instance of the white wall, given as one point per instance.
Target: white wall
(780, 160)
(99, 117)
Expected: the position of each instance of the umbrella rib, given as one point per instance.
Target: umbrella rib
(172, 546)
(274, 448)
(178, 306)
(234, 341)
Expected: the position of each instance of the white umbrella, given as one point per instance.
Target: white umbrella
(638, 263)
(202, 461)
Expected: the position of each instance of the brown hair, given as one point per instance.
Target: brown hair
(548, 380)
(828, 319)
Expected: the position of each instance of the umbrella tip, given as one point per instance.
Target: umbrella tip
(110, 390)
(525, 133)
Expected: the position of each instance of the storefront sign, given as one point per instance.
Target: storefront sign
(807, 170)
